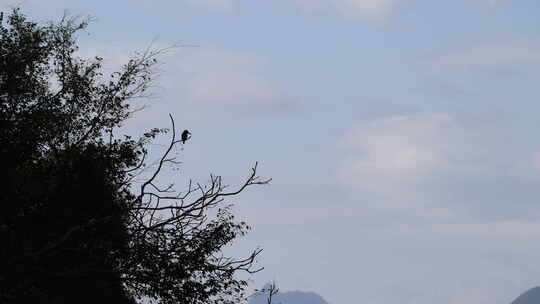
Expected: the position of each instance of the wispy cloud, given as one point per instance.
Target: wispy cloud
(409, 147)
(492, 54)
(215, 5)
(5, 4)
(353, 9)
(417, 160)
(217, 77)
(227, 81)
(208, 79)
(374, 10)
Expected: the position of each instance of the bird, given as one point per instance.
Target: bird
(185, 136)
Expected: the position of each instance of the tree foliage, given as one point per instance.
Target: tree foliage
(75, 225)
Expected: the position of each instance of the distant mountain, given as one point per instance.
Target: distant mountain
(290, 297)
(531, 296)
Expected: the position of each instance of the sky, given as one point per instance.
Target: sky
(401, 136)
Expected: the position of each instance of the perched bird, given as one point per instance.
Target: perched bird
(185, 136)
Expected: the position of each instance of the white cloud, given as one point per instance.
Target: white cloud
(365, 9)
(494, 3)
(404, 147)
(216, 5)
(114, 55)
(429, 159)
(514, 230)
(519, 51)
(237, 80)
(6, 4)
(354, 9)
(208, 80)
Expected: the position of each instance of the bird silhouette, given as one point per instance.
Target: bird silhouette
(185, 136)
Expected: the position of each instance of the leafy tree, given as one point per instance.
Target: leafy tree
(75, 225)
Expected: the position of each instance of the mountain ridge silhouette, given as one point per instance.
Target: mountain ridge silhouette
(289, 297)
(531, 296)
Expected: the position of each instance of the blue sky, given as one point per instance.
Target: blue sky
(402, 136)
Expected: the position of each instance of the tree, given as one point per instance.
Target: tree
(75, 225)
(270, 290)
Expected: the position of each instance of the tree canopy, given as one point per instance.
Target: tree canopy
(75, 223)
